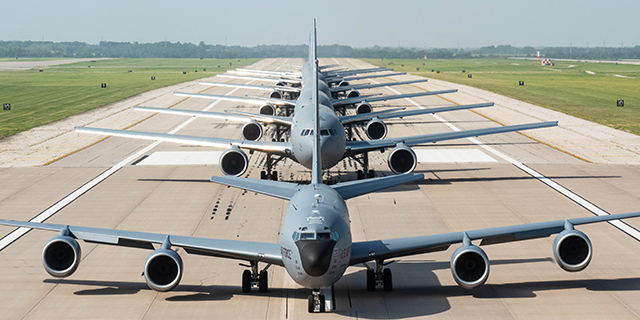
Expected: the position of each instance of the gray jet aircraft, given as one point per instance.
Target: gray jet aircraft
(315, 246)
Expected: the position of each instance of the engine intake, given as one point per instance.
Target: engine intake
(268, 109)
(61, 256)
(343, 83)
(402, 159)
(572, 250)
(252, 131)
(163, 270)
(233, 162)
(353, 93)
(363, 107)
(470, 266)
(376, 129)
(276, 94)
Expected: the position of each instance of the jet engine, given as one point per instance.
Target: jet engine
(268, 109)
(252, 131)
(280, 84)
(343, 83)
(353, 93)
(402, 159)
(61, 256)
(363, 107)
(470, 266)
(233, 162)
(376, 129)
(276, 94)
(163, 270)
(572, 250)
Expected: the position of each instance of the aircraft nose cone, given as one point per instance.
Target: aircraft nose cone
(315, 255)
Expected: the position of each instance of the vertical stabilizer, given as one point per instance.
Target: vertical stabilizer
(316, 170)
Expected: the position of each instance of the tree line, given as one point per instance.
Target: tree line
(107, 49)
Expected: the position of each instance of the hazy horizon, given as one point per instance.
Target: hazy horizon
(359, 24)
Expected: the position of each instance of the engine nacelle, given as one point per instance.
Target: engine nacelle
(233, 162)
(376, 129)
(353, 93)
(252, 131)
(402, 159)
(572, 250)
(363, 107)
(163, 270)
(343, 83)
(268, 109)
(280, 84)
(61, 256)
(276, 94)
(470, 266)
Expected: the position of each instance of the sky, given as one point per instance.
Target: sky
(434, 24)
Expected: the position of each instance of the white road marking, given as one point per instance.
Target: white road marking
(44, 215)
(624, 227)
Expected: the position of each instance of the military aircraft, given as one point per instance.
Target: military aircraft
(315, 245)
(337, 145)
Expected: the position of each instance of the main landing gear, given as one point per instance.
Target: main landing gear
(379, 277)
(252, 278)
(317, 301)
(363, 160)
(270, 174)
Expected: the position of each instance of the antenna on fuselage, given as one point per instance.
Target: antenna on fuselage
(316, 169)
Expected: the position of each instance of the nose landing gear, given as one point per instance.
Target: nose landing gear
(317, 301)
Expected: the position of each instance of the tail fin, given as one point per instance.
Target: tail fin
(316, 169)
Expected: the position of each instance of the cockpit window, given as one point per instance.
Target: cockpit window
(335, 235)
(324, 132)
(307, 236)
(324, 235)
(296, 236)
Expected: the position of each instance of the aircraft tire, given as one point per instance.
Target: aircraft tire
(263, 281)
(371, 280)
(387, 279)
(246, 281)
(312, 307)
(322, 303)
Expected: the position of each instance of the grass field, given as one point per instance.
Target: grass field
(38, 98)
(565, 87)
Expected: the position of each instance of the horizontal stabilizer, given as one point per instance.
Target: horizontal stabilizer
(278, 189)
(356, 188)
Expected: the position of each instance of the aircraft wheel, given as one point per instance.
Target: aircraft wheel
(263, 175)
(371, 280)
(372, 173)
(274, 176)
(359, 174)
(263, 281)
(322, 303)
(246, 281)
(387, 279)
(312, 305)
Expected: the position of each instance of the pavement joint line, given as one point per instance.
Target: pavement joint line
(49, 212)
(622, 226)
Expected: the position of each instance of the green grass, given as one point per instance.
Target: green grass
(38, 98)
(565, 87)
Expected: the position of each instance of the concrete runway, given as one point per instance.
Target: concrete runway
(524, 281)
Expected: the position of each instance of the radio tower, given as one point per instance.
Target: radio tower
(425, 51)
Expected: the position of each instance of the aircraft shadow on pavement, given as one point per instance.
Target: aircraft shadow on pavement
(418, 292)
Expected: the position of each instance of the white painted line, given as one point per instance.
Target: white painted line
(44, 215)
(624, 227)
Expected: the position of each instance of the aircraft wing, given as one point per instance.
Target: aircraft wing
(280, 148)
(388, 114)
(233, 249)
(351, 189)
(278, 189)
(356, 147)
(228, 115)
(390, 97)
(400, 247)
(374, 76)
(249, 86)
(375, 85)
(256, 100)
(260, 78)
